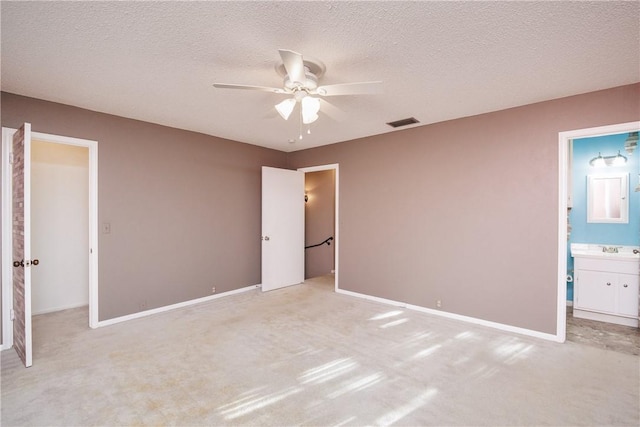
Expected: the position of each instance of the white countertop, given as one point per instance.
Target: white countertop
(595, 250)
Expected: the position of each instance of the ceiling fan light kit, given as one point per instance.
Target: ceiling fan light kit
(301, 80)
(309, 107)
(285, 108)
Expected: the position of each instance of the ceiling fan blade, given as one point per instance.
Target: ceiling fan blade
(247, 87)
(362, 88)
(294, 65)
(331, 110)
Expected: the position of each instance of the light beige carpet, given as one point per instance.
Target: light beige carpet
(307, 356)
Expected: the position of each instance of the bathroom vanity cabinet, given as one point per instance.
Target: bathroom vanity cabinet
(606, 287)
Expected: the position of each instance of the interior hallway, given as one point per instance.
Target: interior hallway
(305, 355)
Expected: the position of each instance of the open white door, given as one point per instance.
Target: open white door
(282, 228)
(21, 219)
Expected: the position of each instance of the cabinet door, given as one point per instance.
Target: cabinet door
(628, 294)
(595, 291)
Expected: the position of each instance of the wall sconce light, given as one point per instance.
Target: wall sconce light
(599, 161)
(631, 142)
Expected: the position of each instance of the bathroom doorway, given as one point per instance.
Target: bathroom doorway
(578, 149)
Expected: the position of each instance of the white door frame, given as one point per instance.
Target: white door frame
(7, 243)
(563, 168)
(335, 167)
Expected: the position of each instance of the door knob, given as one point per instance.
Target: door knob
(27, 263)
(625, 285)
(266, 238)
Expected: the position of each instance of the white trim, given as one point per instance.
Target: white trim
(336, 232)
(563, 163)
(466, 319)
(372, 298)
(561, 307)
(604, 317)
(26, 238)
(7, 272)
(53, 310)
(93, 235)
(7, 276)
(319, 168)
(171, 307)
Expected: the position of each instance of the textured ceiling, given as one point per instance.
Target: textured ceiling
(156, 61)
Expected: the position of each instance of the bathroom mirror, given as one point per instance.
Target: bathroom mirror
(608, 198)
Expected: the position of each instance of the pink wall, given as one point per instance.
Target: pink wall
(184, 207)
(463, 211)
(319, 222)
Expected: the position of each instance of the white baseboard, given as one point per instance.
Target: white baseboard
(467, 319)
(174, 306)
(66, 307)
(602, 317)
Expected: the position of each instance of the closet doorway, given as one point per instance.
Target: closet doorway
(59, 226)
(64, 216)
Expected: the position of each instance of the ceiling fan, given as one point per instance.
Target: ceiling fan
(301, 81)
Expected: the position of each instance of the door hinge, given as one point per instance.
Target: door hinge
(10, 158)
(12, 315)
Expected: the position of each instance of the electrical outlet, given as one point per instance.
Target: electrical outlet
(213, 290)
(439, 303)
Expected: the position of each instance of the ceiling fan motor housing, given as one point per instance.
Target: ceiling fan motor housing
(310, 84)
